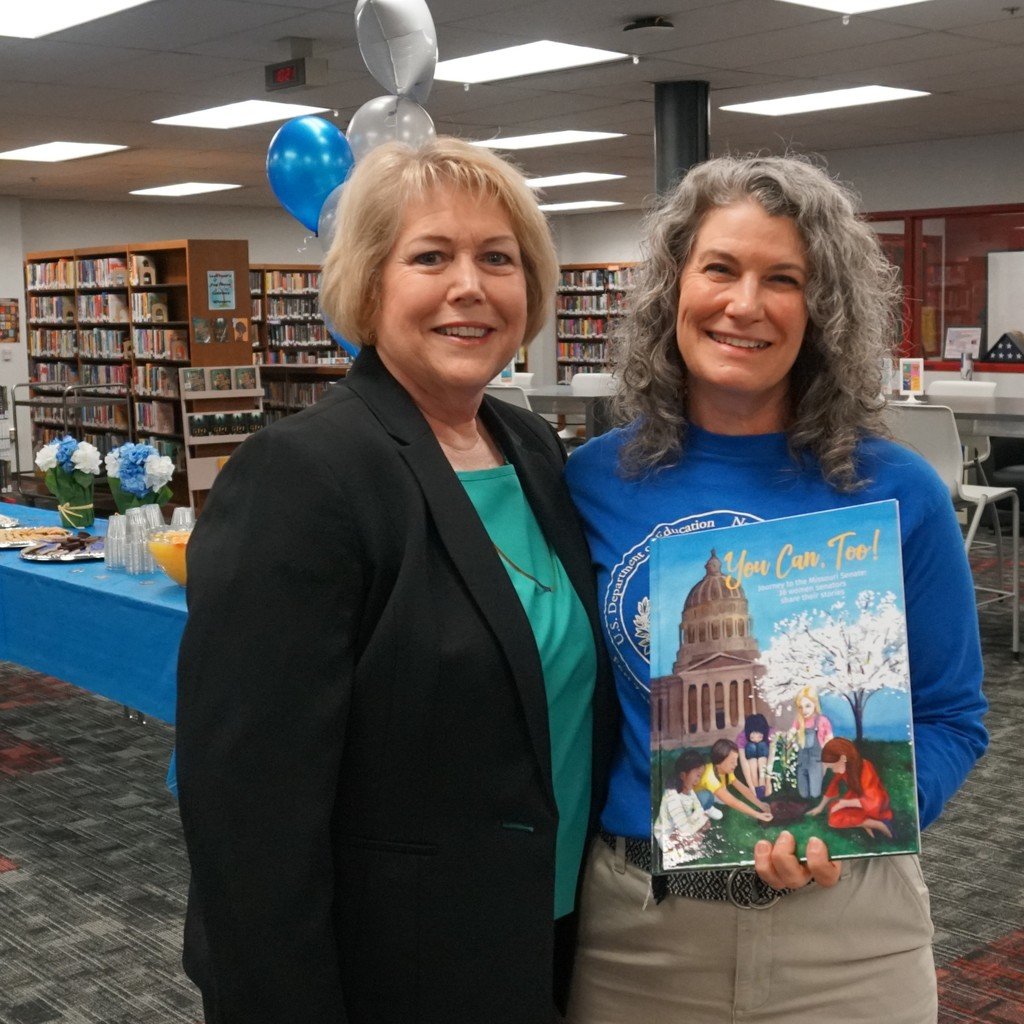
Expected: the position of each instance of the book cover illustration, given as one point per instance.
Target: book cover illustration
(220, 378)
(780, 690)
(193, 378)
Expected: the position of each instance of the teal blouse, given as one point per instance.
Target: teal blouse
(565, 644)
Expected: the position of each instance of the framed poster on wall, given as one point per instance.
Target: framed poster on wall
(9, 320)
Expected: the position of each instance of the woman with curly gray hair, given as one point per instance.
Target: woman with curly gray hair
(750, 366)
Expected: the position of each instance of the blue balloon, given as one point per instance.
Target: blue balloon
(343, 343)
(307, 159)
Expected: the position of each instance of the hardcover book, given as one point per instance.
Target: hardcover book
(780, 690)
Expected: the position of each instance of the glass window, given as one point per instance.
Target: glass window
(942, 257)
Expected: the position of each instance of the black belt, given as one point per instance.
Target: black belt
(740, 886)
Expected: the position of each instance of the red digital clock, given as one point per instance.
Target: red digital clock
(285, 75)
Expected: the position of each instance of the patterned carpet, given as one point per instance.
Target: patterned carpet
(93, 873)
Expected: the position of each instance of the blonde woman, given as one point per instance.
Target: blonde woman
(811, 730)
(390, 697)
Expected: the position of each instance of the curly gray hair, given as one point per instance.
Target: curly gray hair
(852, 297)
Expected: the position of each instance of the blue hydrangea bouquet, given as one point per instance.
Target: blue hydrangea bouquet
(138, 475)
(70, 469)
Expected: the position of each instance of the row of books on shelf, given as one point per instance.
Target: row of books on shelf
(299, 357)
(582, 327)
(101, 342)
(103, 307)
(604, 303)
(582, 350)
(257, 309)
(104, 441)
(295, 393)
(298, 334)
(51, 309)
(291, 281)
(225, 424)
(158, 416)
(150, 307)
(59, 273)
(108, 416)
(600, 278)
(157, 343)
(48, 342)
(305, 307)
(103, 272)
(150, 379)
(51, 377)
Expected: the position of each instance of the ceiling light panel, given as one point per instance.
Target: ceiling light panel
(518, 61)
(238, 115)
(546, 139)
(184, 188)
(34, 20)
(853, 6)
(576, 178)
(584, 204)
(55, 152)
(832, 100)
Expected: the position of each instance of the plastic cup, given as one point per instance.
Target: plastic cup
(183, 519)
(115, 541)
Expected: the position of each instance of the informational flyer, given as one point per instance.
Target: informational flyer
(220, 286)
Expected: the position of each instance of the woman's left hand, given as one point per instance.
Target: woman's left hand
(777, 863)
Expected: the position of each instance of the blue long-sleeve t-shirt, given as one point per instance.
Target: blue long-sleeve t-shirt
(729, 480)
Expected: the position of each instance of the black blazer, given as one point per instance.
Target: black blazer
(363, 751)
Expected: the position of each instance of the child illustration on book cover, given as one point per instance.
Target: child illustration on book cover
(780, 693)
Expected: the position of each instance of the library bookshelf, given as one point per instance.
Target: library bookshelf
(297, 357)
(132, 315)
(589, 296)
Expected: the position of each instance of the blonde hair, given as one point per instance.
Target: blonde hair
(369, 218)
(807, 693)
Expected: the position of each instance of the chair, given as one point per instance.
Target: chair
(509, 393)
(931, 431)
(977, 448)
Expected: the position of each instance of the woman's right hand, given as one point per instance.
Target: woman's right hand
(776, 863)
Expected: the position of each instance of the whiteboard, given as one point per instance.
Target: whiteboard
(1005, 294)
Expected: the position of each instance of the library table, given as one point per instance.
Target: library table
(107, 632)
(561, 400)
(998, 416)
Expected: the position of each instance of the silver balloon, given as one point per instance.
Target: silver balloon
(328, 219)
(399, 45)
(388, 119)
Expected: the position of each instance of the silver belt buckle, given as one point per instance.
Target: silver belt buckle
(744, 903)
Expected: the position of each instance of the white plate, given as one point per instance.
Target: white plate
(6, 522)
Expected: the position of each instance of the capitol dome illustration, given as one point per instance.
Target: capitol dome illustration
(712, 686)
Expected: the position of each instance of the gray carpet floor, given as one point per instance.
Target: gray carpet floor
(93, 872)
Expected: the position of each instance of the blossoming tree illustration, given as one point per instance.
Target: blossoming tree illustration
(851, 652)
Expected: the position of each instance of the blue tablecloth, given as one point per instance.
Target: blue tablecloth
(107, 632)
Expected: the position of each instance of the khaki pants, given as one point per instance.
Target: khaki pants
(858, 953)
